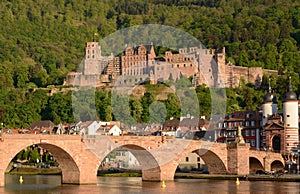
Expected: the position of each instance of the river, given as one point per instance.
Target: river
(51, 184)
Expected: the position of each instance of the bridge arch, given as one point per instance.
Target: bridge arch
(214, 155)
(277, 165)
(254, 165)
(213, 162)
(74, 159)
(149, 165)
(69, 168)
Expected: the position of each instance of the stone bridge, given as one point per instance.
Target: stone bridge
(80, 157)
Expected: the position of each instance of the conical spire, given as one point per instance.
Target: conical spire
(290, 85)
(269, 96)
(290, 95)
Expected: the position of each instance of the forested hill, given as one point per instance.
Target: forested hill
(41, 41)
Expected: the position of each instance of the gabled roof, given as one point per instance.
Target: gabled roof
(273, 126)
(41, 124)
(172, 123)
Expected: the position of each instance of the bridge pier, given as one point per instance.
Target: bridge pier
(238, 158)
(163, 173)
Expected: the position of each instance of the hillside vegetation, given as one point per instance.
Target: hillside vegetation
(41, 41)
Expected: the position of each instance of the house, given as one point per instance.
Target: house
(45, 126)
(90, 127)
(249, 121)
(113, 130)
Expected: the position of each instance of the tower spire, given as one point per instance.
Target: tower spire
(290, 85)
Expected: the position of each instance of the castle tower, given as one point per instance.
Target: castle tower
(290, 116)
(92, 56)
(269, 106)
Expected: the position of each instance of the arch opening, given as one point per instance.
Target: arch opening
(255, 166)
(192, 163)
(130, 159)
(59, 162)
(207, 161)
(277, 165)
(276, 143)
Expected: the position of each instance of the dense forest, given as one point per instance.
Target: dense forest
(41, 41)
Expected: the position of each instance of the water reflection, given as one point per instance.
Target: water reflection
(51, 184)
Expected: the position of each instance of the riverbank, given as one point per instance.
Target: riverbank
(283, 178)
(35, 171)
(57, 171)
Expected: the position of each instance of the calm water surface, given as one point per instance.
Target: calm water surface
(51, 184)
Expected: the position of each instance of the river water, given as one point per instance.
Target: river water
(52, 185)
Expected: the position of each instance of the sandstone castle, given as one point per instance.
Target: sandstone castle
(140, 63)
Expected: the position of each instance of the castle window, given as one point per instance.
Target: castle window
(191, 65)
(287, 115)
(288, 125)
(187, 159)
(183, 65)
(93, 51)
(93, 56)
(177, 65)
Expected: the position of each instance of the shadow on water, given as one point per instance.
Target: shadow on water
(52, 184)
(32, 182)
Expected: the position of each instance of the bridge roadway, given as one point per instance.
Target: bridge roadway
(80, 157)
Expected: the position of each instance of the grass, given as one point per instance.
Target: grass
(122, 174)
(35, 171)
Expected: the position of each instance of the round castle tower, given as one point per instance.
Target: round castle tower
(269, 106)
(291, 119)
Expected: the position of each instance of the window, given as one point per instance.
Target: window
(187, 159)
(247, 123)
(220, 125)
(252, 142)
(225, 125)
(229, 125)
(198, 159)
(253, 123)
(252, 132)
(241, 124)
(247, 132)
(236, 124)
(288, 115)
